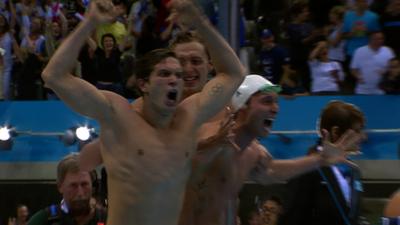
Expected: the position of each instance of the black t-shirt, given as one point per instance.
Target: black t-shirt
(108, 68)
(271, 62)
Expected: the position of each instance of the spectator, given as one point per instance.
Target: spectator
(325, 195)
(22, 216)
(140, 10)
(76, 189)
(173, 27)
(6, 39)
(255, 218)
(271, 211)
(390, 20)
(301, 36)
(149, 38)
(391, 80)
(29, 84)
(370, 63)
(357, 25)
(107, 60)
(56, 30)
(326, 74)
(336, 43)
(115, 27)
(273, 60)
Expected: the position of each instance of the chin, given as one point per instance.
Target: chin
(263, 133)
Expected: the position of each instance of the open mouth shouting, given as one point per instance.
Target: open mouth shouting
(268, 123)
(172, 98)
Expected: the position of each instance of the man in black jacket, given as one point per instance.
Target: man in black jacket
(75, 186)
(329, 195)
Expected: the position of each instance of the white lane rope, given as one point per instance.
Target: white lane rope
(397, 130)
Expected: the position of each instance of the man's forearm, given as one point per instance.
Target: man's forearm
(222, 55)
(286, 169)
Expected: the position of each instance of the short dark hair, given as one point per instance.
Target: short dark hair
(273, 198)
(341, 114)
(110, 35)
(145, 65)
(69, 164)
(373, 33)
(187, 37)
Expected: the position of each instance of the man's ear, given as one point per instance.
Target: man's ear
(210, 67)
(334, 133)
(59, 187)
(142, 85)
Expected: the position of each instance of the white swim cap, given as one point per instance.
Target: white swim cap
(252, 84)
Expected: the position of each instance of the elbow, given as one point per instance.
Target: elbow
(47, 78)
(241, 74)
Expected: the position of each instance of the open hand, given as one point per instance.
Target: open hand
(337, 152)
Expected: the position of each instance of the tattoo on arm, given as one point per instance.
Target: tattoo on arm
(216, 89)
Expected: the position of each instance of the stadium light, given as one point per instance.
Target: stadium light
(81, 135)
(7, 133)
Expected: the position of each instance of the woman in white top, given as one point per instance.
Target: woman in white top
(326, 74)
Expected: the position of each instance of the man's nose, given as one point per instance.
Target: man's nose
(80, 190)
(187, 67)
(275, 107)
(173, 79)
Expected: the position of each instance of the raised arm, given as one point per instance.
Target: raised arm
(268, 169)
(315, 52)
(229, 70)
(77, 93)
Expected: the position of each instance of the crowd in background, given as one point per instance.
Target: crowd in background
(340, 47)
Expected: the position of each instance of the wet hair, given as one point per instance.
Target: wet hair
(187, 37)
(341, 114)
(145, 65)
(110, 35)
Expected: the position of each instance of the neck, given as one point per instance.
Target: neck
(375, 48)
(324, 59)
(81, 220)
(155, 117)
(107, 52)
(243, 137)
